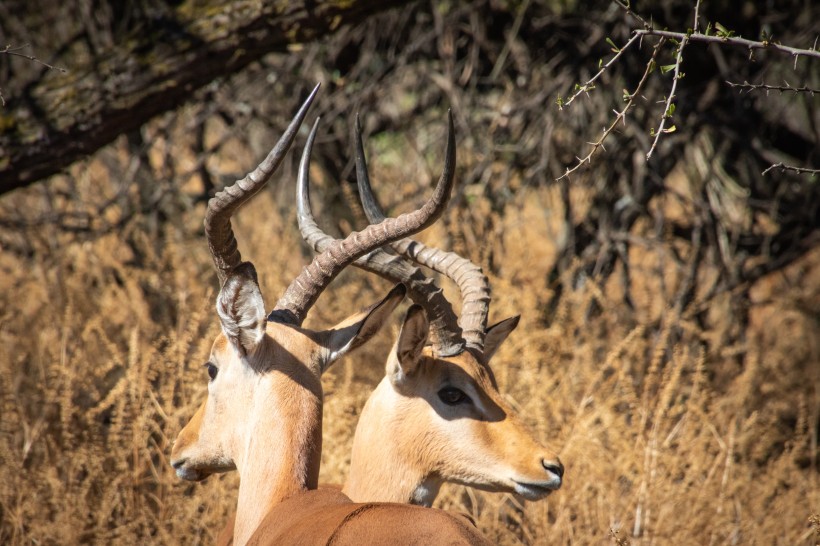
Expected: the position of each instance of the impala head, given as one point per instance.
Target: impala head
(264, 403)
(437, 416)
(264, 382)
(454, 424)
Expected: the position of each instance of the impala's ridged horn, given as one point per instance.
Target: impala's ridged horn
(445, 333)
(474, 286)
(306, 288)
(218, 228)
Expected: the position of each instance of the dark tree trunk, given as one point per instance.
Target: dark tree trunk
(63, 117)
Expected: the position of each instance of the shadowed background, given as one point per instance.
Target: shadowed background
(669, 346)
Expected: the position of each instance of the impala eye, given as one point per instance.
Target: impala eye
(212, 370)
(453, 396)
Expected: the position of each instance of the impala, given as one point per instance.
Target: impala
(263, 412)
(437, 416)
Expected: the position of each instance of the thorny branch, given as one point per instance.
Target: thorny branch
(667, 109)
(786, 87)
(730, 40)
(619, 116)
(784, 167)
(697, 12)
(627, 7)
(587, 86)
(724, 38)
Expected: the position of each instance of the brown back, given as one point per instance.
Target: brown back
(327, 516)
(327, 507)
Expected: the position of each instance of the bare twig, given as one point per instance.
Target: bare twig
(628, 9)
(697, 11)
(786, 87)
(730, 40)
(15, 51)
(619, 116)
(667, 109)
(588, 85)
(784, 167)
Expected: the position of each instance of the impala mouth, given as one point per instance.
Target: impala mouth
(188, 473)
(536, 490)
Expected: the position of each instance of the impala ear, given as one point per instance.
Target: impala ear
(241, 309)
(354, 331)
(412, 339)
(496, 334)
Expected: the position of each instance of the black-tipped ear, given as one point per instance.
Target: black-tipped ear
(241, 309)
(354, 331)
(496, 334)
(409, 346)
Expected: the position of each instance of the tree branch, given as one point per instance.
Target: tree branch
(588, 86)
(786, 87)
(64, 117)
(619, 116)
(668, 108)
(784, 167)
(730, 40)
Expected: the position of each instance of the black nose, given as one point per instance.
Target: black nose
(554, 466)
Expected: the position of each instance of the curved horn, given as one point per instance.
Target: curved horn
(444, 330)
(218, 228)
(306, 288)
(473, 284)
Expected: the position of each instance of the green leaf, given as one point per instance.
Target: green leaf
(615, 48)
(667, 68)
(723, 32)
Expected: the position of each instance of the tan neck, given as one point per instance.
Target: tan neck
(370, 479)
(270, 470)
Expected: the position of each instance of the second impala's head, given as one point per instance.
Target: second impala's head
(440, 404)
(447, 417)
(264, 383)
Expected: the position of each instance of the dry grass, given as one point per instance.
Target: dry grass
(672, 431)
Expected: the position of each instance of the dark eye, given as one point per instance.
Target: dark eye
(453, 396)
(211, 370)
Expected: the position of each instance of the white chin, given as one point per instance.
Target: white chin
(532, 492)
(190, 474)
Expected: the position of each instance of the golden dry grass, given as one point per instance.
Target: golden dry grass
(672, 432)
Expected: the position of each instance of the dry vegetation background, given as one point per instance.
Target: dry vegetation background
(677, 374)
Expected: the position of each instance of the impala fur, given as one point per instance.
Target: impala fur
(437, 416)
(263, 412)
